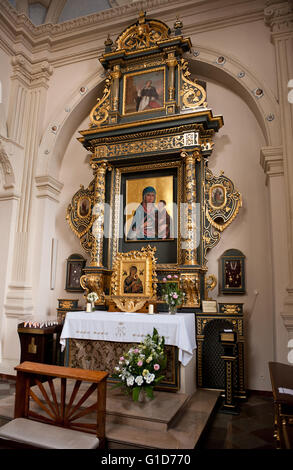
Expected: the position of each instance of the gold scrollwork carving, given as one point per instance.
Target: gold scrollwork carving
(147, 63)
(141, 146)
(129, 305)
(210, 284)
(93, 282)
(231, 309)
(79, 212)
(192, 94)
(142, 35)
(222, 200)
(100, 112)
(87, 242)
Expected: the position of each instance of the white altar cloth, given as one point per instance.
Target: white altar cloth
(178, 330)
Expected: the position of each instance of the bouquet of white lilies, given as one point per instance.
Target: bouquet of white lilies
(140, 368)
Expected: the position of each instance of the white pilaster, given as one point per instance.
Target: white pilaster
(279, 16)
(48, 191)
(271, 159)
(27, 102)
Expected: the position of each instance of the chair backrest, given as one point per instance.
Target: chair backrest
(282, 382)
(61, 405)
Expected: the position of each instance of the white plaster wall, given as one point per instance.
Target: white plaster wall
(8, 209)
(279, 249)
(237, 153)
(75, 170)
(66, 81)
(249, 43)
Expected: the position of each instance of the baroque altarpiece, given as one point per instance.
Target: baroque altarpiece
(151, 136)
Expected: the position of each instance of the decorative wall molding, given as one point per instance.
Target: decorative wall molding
(19, 301)
(48, 187)
(279, 16)
(271, 160)
(287, 313)
(6, 167)
(91, 30)
(32, 74)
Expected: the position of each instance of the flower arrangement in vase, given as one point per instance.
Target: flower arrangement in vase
(92, 297)
(139, 369)
(172, 293)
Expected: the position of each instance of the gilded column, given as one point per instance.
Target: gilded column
(171, 62)
(189, 238)
(116, 74)
(100, 169)
(113, 113)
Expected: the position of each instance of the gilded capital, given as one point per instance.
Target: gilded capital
(99, 167)
(171, 60)
(189, 157)
(116, 73)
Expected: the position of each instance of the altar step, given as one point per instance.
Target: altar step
(169, 421)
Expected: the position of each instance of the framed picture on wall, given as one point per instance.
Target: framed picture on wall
(232, 272)
(74, 271)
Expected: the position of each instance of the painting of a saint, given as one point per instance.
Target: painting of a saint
(217, 196)
(132, 283)
(143, 91)
(84, 207)
(147, 97)
(150, 220)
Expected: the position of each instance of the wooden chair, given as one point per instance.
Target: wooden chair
(57, 425)
(282, 387)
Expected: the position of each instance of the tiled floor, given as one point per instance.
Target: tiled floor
(7, 387)
(251, 429)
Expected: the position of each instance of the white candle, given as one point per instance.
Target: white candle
(151, 309)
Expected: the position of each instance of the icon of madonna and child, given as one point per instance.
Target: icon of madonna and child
(151, 220)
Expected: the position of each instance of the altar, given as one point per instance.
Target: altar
(152, 210)
(98, 339)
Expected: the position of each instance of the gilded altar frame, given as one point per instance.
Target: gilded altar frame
(175, 137)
